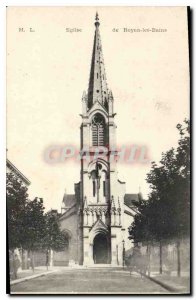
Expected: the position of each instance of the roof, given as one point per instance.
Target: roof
(69, 200)
(68, 212)
(17, 172)
(129, 198)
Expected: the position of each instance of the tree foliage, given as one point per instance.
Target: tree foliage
(29, 227)
(54, 237)
(166, 214)
(17, 197)
(34, 225)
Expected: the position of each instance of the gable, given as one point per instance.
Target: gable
(98, 107)
(99, 226)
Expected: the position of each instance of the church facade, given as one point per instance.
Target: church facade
(96, 218)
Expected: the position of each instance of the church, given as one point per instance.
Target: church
(96, 218)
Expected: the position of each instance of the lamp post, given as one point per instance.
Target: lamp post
(123, 242)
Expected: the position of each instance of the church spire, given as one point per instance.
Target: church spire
(97, 90)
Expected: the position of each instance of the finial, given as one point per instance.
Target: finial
(97, 16)
(97, 20)
(111, 95)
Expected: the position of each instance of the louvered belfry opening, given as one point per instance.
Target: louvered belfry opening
(98, 130)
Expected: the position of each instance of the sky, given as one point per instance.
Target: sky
(48, 70)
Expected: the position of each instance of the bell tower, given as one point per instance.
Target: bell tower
(101, 193)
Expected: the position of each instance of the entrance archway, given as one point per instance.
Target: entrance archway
(100, 249)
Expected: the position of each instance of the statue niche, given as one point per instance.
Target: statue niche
(99, 184)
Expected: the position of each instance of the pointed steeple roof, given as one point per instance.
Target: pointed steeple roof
(97, 90)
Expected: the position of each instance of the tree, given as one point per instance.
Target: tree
(29, 228)
(54, 238)
(162, 179)
(143, 228)
(166, 214)
(17, 198)
(34, 225)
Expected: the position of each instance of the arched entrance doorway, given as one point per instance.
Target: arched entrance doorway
(100, 249)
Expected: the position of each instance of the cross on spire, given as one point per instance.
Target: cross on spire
(97, 19)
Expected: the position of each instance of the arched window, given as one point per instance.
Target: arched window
(98, 130)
